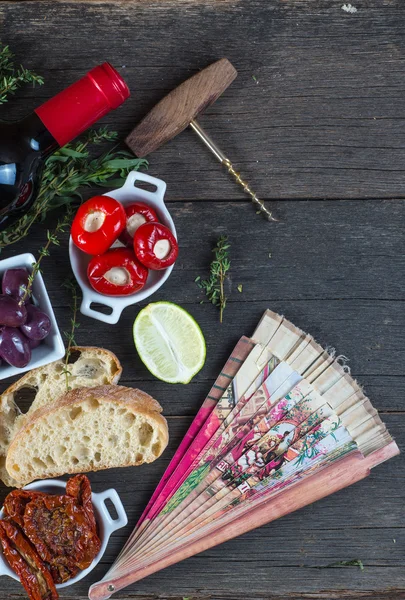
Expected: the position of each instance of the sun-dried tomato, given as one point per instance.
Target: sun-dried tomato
(16, 502)
(62, 529)
(79, 488)
(25, 562)
(59, 529)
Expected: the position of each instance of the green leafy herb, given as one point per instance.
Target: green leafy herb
(347, 563)
(240, 288)
(70, 335)
(11, 76)
(52, 238)
(67, 171)
(214, 286)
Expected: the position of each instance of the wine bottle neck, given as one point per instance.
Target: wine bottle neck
(79, 106)
(38, 136)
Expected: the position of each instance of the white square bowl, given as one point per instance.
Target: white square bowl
(126, 194)
(52, 347)
(106, 524)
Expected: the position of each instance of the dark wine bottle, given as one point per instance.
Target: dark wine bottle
(25, 144)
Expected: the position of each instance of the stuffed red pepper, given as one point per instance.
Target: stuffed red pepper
(155, 246)
(117, 273)
(98, 224)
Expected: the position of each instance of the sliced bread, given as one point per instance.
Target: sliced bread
(91, 367)
(88, 430)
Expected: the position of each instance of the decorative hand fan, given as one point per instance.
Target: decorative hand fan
(283, 426)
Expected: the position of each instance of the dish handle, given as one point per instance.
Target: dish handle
(121, 520)
(135, 176)
(86, 309)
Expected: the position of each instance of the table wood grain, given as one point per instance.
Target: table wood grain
(316, 123)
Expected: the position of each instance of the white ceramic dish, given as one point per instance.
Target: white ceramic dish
(106, 525)
(52, 348)
(79, 260)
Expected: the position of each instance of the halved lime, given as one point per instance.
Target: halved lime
(169, 342)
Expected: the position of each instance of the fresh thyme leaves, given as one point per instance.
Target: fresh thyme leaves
(214, 286)
(52, 238)
(67, 171)
(11, 76)
(70, 335)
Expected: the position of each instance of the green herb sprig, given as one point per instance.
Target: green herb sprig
(52, 238)
(219, 267)
(66, 172)
(70, 335)
(13, 77)
(69, 169)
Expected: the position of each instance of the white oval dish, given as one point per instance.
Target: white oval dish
(127, 194)
(106, 525)
(52, 347)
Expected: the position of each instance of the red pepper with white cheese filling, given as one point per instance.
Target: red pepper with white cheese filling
(155, 246)
(98, 224)
(117, 273)
(137, 214)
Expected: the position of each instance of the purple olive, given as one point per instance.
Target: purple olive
(37, 325)
(11, 313)
(14, 347)
(15, 283)
(34, 343)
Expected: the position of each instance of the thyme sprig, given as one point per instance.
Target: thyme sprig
(219, 267)
(13, 77)
(70, 335)
(52, 239)
(69, 170)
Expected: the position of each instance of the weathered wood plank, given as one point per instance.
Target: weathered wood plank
(352, 250)
(317, 110)
(335, 273)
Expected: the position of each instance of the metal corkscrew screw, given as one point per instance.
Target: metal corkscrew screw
(208, 141)
(179, 109)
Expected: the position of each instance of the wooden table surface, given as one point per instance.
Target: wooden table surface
(316, 122)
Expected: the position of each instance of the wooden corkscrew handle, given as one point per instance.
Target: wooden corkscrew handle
(176, 110)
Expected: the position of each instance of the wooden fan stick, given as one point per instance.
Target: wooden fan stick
(179, 109)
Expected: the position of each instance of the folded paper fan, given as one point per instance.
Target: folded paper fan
(284, 425)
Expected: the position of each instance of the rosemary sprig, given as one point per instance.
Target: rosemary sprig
(11, 76)
(70, 335)
(66, 172)
(52, 238)
(219, 267)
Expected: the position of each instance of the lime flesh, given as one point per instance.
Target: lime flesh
(169, 342)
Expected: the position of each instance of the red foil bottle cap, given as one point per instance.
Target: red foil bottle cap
(79, 106)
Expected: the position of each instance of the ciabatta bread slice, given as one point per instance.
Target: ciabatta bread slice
(91, 367)
(88, 430)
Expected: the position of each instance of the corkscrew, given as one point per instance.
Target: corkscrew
(179, 109)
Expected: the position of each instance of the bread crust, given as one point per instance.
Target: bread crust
(20, 383)
(137, 401)
(11, 414)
